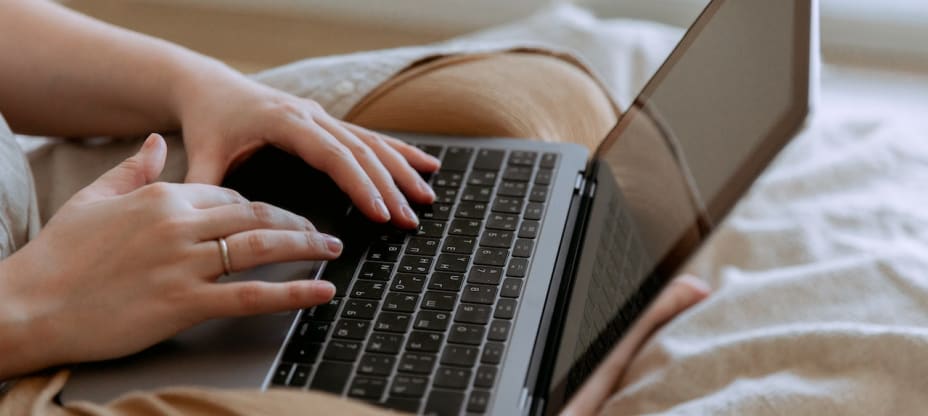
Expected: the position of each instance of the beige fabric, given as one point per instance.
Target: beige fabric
(18, 212)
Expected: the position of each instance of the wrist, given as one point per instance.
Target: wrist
(22, 343)
(194, 77)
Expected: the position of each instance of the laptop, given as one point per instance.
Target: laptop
(535, 259)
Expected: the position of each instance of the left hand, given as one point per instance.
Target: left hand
(226, 117)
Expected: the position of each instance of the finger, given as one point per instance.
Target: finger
(204, 196)
(231, 219)
(254, 248)
(405, 176)
(138, 170)
(419, 160)
(205, 166)
(400, 210)
(258, 297)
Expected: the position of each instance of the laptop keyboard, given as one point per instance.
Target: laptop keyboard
(421, 320)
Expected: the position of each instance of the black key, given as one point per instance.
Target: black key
(456, 159)
(544, 177)
(486, 275)
(326, 312)
(491, 256)
(473, 314)
(393, 322)
(281, 374)
(339, 350)
(475, 193)
(313, 331)
(478, 401)
(432, 320)
(517, 173)
(408, 386)
(517, 267)
(464, 227)
(507, 205)
(482, 294)
(360, 309)
(472, 210)
(417, 363)
(496, 238)
(443, 402)
(376, 364)
(409, 283)
(452, 377)
(385, 343)
(459, 355)
(459, 245)
(439, 212)
(445, 195)
(375, 271)
(400, 302)
(499, 330)
(492, 353)
(433, 229)
(510, 188)
(534, 211)
(523, 248)
(424, 341)
(512, 288)
(383, 252)
(415, 264)
(302, 353)
(422, 246)
(448, 179)
(430, 149)
(300, 376)
(505, 222)
(486, 376)
(466, 334)
(482, 177)
(522, 158)
(455, 263)
(403, 404)
(341, 272)
(548, 160)
(332, 377)
(488, 159)
(505, 308)
(351, 329)
(446, 281)
(368, 289)
(539, 194)
(529, 229)
(441, 301)
(390, 235)
(367, 387)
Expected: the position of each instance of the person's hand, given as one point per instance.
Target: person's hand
(127, 263)
(226, 117)
(678, 296)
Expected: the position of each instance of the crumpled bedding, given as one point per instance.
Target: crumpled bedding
(820, 274)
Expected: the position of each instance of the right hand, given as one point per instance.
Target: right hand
(127, 263)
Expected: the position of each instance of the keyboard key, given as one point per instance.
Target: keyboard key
(456, 159)
(539, 194)
(432, 320)
(445, 195)
(483, 177)
(529, 229)
(491, 256)
(482, 294)
(455, 263)
(302, 353)
(492, 353)
(478, 401)
(403, 404)
(469, 313)
(351, 329)
(422, 246)
(341, 272)
(393, 322)
(452, 377)
(430, 149)
(415, 264)
(368, 289)
(544, 177)
(313, 331)
(375, 271)
(332, 377)
(512, 288)
(520, 158)
(486, 376)
(459, 245)
(534, 211)
(400, 302)
(471, 210)
(432, 229)
(446, 281)
(360, 309)
(409, 283)
(338, 350)
(326, 312)
(367, 387)
(385, 343)
(507, 205)
(459, 355)
(486, 275)
(473, 193)
(376, 365)
(443, 402)
(448, 179)
(517, 173)
(300, 376)
(383, 252)
(496, 238)
(408, 386)
(548, 160)
(505, 308)
(466, 334)
(438, 212)
(464, 227)
(281, 374)
(517, 267)
(505, 222)
(424, 341)
(488, 159)
(499, 330)
(516, 189)
(418, 363)
(523, 248)
(441, 301)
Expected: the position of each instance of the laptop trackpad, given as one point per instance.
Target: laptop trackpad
(226, 353)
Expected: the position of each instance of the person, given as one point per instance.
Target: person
(129, 251)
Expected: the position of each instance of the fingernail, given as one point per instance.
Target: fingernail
(408, 212)
(381, 208)
(333, 244)
(424, 187)
(325, 287)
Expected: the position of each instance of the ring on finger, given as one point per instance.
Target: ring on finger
(224, 253)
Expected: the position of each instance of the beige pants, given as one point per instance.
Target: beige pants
(510, 95)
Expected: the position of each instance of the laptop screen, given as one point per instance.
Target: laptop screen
(730, 96)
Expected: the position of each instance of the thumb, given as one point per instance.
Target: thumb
(138, 170)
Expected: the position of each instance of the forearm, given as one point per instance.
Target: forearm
(65, 74)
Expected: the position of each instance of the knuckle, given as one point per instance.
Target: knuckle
(249, 297)
(360, 150)
(336, 153)
(262, 213)
(259, 244)
(157, 190)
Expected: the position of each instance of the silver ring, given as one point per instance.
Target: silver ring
(224, 252)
